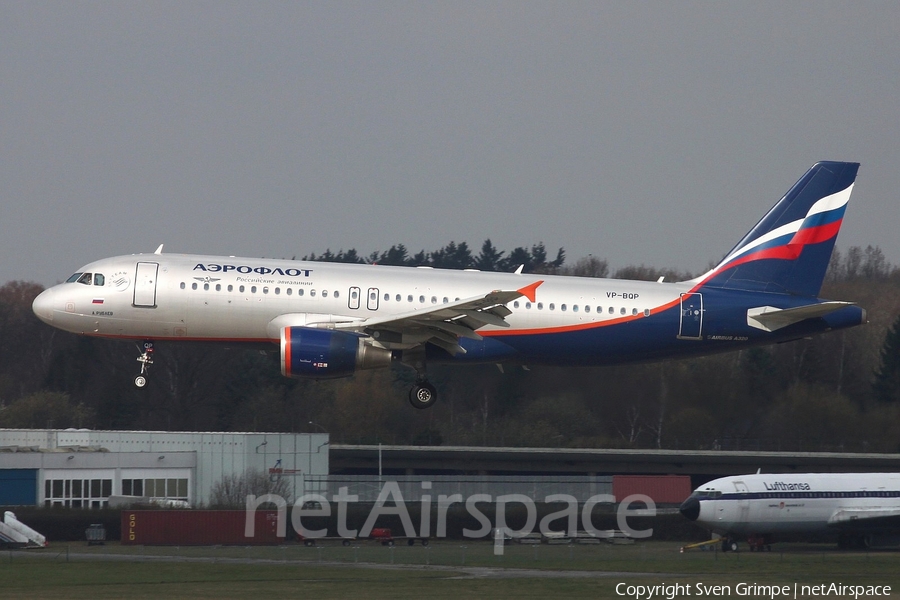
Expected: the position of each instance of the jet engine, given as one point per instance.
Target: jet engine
(325, 353)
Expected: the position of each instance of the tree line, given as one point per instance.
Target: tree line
(839, 391)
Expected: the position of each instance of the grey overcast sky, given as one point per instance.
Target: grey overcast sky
(652, 133)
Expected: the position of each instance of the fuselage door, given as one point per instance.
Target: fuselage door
(372, 299)
(744, 502)
(353, 302)
(690, 325)
(145, 285)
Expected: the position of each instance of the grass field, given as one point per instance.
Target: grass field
(442, 570)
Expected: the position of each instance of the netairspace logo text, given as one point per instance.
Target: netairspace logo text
(755, 590)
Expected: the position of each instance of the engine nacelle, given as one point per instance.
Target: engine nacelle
(326, 353)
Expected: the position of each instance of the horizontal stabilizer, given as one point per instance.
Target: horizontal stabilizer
(769, 318)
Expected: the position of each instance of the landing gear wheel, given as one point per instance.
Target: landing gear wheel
(140, 381)
(733, 546)
(422, 395)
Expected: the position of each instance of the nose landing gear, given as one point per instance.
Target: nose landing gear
(146, 359)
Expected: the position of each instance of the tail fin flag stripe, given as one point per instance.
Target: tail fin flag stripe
(789, 249)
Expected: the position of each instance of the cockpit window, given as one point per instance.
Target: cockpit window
(86, 279)
(708, 494)
(99, 279)
(74, 278)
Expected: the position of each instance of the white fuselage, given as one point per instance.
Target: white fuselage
(193, 297)
(793, 503)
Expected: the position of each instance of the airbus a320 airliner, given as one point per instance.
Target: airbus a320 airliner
(331, 320)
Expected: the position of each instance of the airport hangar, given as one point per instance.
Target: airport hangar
(84, 468)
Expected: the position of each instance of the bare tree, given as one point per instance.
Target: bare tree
(232, 490)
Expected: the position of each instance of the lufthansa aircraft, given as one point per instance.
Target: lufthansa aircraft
(862, 508)
(331, 320)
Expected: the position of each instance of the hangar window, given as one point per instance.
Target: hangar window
(77, 493)
(170, 488)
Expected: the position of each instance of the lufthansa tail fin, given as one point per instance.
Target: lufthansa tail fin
(789, 249)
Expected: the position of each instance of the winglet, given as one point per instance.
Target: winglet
(159, 250)
(529, 290)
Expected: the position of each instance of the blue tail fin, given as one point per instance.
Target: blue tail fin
(789, 249)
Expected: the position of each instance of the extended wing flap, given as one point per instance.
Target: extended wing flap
(770, 318)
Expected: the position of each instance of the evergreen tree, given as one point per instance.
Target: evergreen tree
(887, 379)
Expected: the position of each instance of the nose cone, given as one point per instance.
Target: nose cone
(43, 305)
(690, 508)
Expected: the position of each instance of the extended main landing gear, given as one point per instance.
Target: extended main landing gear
(146, 359)
(422, 395)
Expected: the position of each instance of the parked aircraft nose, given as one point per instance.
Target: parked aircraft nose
(690, 508)
(43, 305)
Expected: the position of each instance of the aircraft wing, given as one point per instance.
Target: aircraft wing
(769, 318)
(443, 324)
(866, 518)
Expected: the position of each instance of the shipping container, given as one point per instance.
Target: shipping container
(662, 489)
(200, 527)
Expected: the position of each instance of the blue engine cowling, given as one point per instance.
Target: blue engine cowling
(325, 353)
